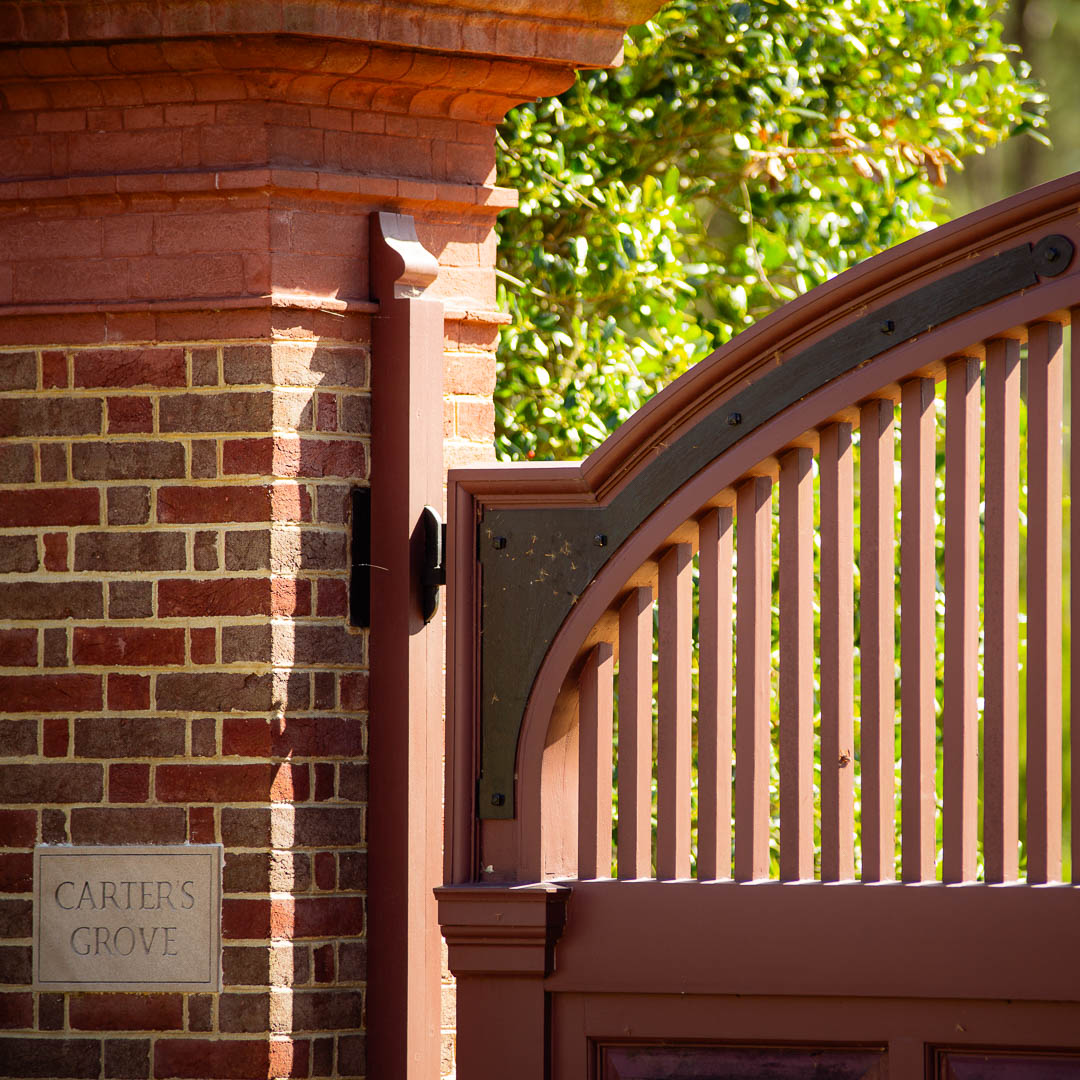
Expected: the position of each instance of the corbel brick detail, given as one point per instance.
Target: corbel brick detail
(215, 103)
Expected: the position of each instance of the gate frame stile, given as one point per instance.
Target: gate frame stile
(499, 872)
(500, 940)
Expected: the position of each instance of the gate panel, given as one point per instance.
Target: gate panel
(916, 1039)
(764, 485)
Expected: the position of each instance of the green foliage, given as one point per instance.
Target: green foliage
(743, 154)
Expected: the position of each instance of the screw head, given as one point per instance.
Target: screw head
(498, 542)
(734, 419)
(600, 540)
(888, 326)
(1052, 255)
(498, 798)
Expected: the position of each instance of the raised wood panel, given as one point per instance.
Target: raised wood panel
(739, 1063)
(1005, 1065)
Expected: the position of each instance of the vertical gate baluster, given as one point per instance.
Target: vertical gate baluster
(877, 643)
(837, 629)
(917, 643)
(752, 678)
(1074, 578)
(594, 763)
(635, 735)
(674, 689)
(1001, 605)
(796, 666)
(714, 695)
(960, 716)
(1045, 391)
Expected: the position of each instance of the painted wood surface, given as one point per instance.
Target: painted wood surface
(833, 630)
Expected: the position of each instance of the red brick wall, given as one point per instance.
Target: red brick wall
(185, 404)
(177, 666)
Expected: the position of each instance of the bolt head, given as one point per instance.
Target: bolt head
(498, 798)
(498, 542)
(734, 419)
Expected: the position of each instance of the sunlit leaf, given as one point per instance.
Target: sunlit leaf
(744, 153)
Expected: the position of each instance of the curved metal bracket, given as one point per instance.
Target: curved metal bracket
(536, 563)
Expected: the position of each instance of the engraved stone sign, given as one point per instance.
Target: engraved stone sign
(127, 918)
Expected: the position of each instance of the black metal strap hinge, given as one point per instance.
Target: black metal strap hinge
(433, 573)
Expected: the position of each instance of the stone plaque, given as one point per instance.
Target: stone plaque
(127, 918)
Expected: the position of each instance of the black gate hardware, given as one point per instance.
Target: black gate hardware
(360, 570)
(433, 573)
(536, 562)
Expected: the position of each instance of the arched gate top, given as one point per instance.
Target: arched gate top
(545, 532)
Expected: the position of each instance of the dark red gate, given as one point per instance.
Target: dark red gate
(796, 694)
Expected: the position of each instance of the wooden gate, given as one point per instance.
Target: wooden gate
(829, 689)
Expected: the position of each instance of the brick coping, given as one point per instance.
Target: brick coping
(286, 300)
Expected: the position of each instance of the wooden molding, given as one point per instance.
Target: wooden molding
(502, 931)
(404, 267)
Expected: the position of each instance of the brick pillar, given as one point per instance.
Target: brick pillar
(185, 405)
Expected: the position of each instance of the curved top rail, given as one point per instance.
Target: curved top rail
(545, 534)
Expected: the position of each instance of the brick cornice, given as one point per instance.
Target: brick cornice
(289, 240)
(579, 33)
(292, 69)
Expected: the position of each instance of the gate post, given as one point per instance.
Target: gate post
(405, 737)
(501, 943)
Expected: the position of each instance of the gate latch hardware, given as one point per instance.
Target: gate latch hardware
(433, 573)
(360, 573)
